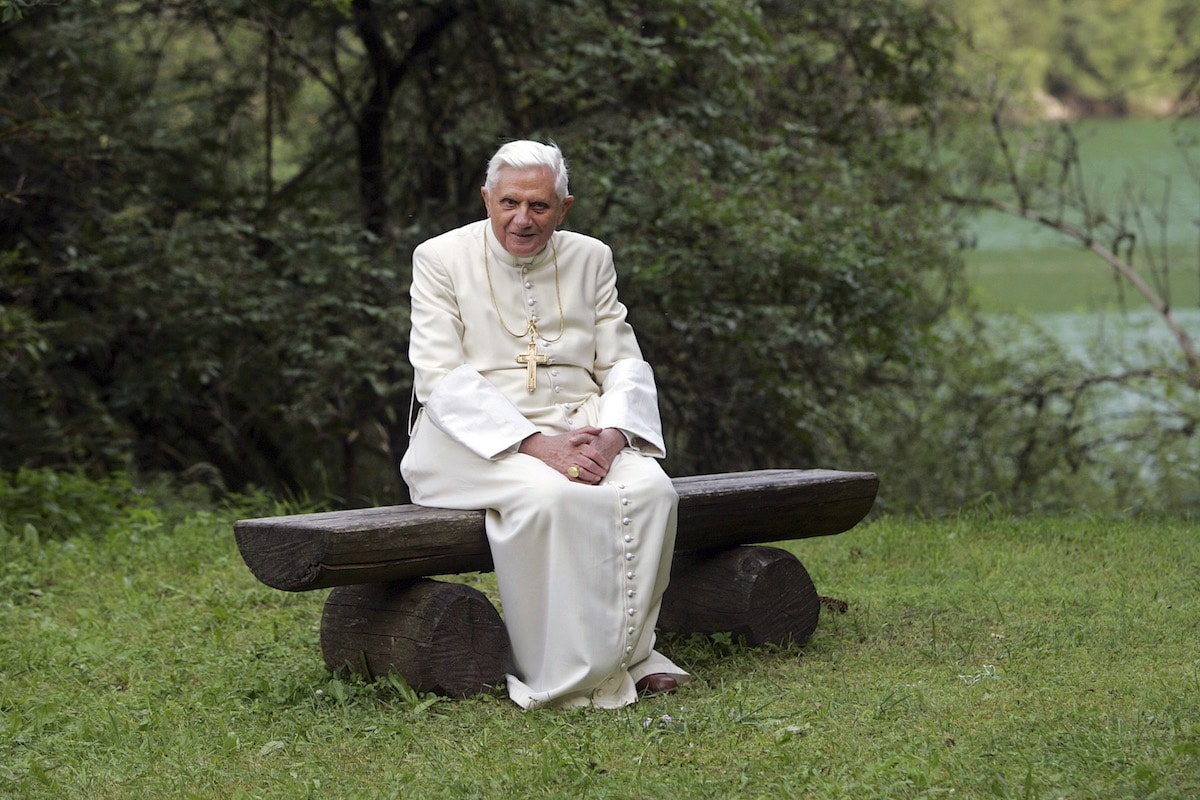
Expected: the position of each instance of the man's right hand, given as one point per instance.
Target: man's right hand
(582, 448)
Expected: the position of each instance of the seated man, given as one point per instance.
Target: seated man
(538, 407)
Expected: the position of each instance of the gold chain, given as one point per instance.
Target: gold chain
(531, 326)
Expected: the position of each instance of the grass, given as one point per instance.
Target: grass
(1058, 277)
(981, 657)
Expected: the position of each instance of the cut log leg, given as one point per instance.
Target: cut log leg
(441, 637)
(761, 594)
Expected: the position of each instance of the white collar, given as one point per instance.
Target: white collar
(502, 256)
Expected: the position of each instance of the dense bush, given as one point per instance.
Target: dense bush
(212, 272)
(48, 504)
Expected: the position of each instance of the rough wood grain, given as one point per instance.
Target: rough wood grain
(316, 551)
(448, 639)
(762, 595)
(441, 637)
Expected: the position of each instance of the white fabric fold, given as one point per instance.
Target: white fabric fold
(629, 401)
(475, 414)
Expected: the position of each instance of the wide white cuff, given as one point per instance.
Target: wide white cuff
(474, 413)
(629, 401)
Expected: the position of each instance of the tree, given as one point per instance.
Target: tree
(187, 309)
(209, 210)
(1091, 56)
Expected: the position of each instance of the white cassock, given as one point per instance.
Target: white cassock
(581, 569)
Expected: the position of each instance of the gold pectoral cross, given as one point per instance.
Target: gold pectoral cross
(531, 358)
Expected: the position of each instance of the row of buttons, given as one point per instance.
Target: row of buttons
(630, 574)
(630, 589)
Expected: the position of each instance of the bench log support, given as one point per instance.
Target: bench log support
(386, 616)
(440, 637)
(761, 595)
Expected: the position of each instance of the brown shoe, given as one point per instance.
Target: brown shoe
(657, 683)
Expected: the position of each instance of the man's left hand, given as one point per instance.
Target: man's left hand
(589, 451)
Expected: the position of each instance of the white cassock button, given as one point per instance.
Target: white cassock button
(624, 501)
(628, 538)
(629, 649)
(633, 612)
(532, 302)
(629, 575)
(629, 556)
(626, 521)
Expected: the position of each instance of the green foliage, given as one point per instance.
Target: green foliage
(183, 245)
(167, 316)
(216, 342)
(777, 256)
(1021, 418)
(13, 10)
(1094, 56)
(40, 505)
(207, 213)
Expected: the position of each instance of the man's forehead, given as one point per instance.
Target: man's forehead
(524, 180)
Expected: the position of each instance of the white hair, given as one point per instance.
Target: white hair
(526, 154)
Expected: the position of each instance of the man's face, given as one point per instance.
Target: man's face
(524, 209)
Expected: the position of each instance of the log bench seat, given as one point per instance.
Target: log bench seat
(386, 614)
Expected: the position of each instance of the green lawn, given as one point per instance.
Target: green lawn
(980, 657)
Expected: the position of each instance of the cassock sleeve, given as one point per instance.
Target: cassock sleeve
(628, 395)
(456, 397)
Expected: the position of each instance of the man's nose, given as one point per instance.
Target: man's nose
(523, 217)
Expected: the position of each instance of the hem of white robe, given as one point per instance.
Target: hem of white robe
(625, 694)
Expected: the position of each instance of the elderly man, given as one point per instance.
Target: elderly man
(538, 407)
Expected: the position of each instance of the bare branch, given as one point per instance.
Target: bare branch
(1121, 266)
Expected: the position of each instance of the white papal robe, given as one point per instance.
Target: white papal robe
(581, 569)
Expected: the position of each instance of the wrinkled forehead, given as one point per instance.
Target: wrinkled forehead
(524, 183)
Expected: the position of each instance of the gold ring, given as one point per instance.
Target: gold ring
(573, 471)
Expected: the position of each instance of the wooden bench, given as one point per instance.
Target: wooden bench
(385, 613)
